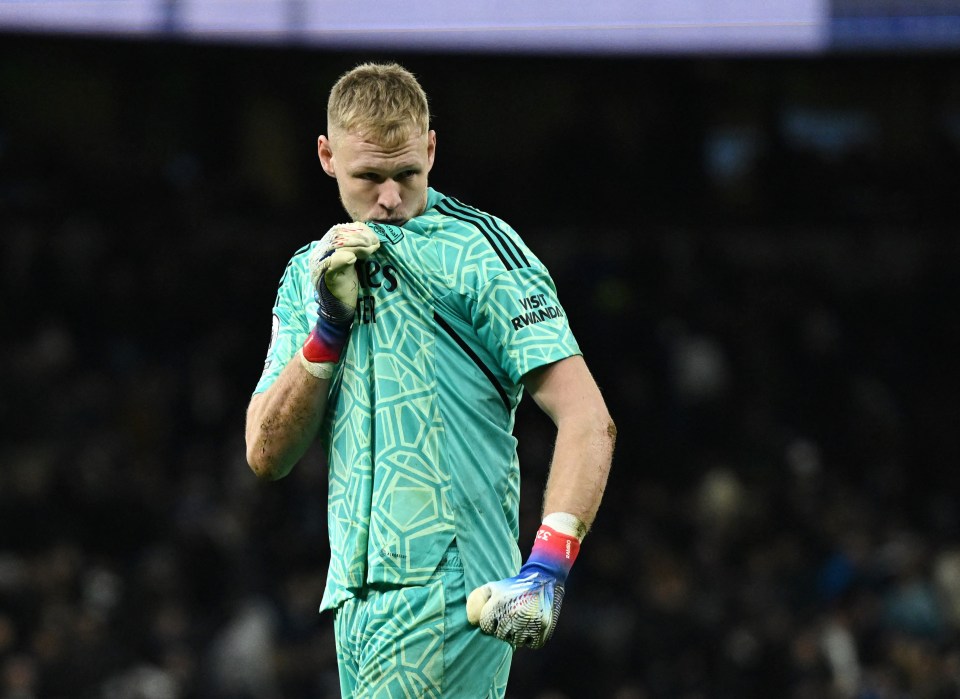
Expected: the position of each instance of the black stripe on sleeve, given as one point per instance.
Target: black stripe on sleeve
(476, 360)
(497, 240)
(487, 220)
(444, 209)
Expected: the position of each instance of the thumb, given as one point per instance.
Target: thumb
(475, 603)
(341, 258)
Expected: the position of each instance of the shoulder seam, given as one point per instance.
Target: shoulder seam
(507, 250)
(286, 270)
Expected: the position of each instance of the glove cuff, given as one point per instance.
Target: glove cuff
(566, 523)
(326, 341)
(321, 370)
(555, 550)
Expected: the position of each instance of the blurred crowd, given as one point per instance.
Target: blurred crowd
(782, 518)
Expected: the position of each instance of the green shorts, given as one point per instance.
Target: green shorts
(400, 642)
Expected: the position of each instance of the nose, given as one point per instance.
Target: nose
(389, 195)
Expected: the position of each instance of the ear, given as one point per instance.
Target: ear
(431, 148)
(325, 152)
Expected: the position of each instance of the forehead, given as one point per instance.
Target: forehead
(358, 152)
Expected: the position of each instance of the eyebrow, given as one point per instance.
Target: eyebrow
(368, 167)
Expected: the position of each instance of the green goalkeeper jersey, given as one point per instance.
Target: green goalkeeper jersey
(454, 309)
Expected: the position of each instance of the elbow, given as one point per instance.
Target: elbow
(593, 425)
(611, 431)
(266, 467)
(598, 420)
(597, 429)
(263, 458)
(262, 468)
(605, 436)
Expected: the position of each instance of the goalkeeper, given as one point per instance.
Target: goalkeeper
(403, 342)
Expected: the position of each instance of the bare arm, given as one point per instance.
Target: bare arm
(586, 435)
(566, 392)
(282, 421)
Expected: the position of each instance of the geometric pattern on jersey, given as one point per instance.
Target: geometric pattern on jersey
(454, 309)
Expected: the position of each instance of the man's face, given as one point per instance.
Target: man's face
(379, 183)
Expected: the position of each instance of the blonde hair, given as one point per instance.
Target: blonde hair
(383, 102)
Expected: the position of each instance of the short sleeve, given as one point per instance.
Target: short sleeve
(520, 319)
(289, 324)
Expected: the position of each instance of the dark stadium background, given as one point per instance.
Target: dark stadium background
(759, 256)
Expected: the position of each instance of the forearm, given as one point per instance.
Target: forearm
(283, 421)
(581, 464)
(523, 610)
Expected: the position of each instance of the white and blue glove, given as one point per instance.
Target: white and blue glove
(334, 276)
(523, 610)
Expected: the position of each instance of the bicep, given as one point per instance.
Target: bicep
(565, 389)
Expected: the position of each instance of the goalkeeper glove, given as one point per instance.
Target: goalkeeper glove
(523, 610)
(335, 280)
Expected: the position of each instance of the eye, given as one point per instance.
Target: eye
(369, 176)
(406, 174)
